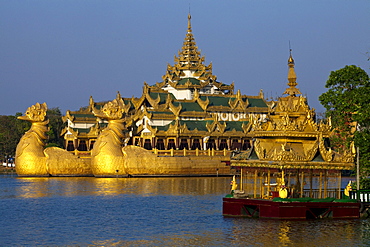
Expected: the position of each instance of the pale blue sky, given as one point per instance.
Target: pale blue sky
(62, 51)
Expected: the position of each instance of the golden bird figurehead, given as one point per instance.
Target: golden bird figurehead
(35, 113)
(113, 110)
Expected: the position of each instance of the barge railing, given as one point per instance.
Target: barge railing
(317, 193)
(196, 152)
(362, 195)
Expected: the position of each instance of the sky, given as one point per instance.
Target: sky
(63, 51)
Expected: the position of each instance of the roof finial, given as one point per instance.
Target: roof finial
(292, 78)
(291, 73)
(189, 23)
(290, 60)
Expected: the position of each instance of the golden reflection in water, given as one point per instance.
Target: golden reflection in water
(32, 187)
(156, 186)
(267, 232)
(302, 234)
(202, 239)
(226, 231)
(284, 233)
(74, 186)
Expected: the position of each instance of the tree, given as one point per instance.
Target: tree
(12, 129)
(55, 127)
(347, 103)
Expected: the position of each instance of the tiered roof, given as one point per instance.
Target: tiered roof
(291, 138)
(189, 70)
(205, 100)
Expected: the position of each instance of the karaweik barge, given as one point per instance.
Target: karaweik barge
(185, 125)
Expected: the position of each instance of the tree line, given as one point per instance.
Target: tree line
(12, 129)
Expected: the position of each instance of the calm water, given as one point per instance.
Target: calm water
(148, 212)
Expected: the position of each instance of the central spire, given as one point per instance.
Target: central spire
(292, 78)
(189, 63)
(189, 73)
(189, 23)
(189, 57)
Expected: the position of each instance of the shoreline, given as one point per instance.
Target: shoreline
(7, 170)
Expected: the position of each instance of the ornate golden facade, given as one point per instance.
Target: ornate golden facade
(290, 137)
(189, 116)
(290, 147)
(188, 124)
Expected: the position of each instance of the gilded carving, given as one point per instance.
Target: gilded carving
(290, 134)
(257, 125)
(238, 103)
(247, 127)
(68, 116)
(284, 152)
(95, 130)
(33, 160)
(203, 103)
(325, 126)
(347, 156)
(327, 154)
(168, 101)
(107, 157)
(151, 129)
(30, 157)
(59, 162)
(216, 125)
(138, 101)
(310, 153)
(260, 151)
(159, 85)
(175, 109)
(176, 128)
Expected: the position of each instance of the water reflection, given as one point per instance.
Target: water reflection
(149, 212)
(44, 187)
(298, 233)
(284, 230)
(32, 188)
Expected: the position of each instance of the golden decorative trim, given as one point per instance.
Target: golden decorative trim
(174, 109)
(203, 103)
(238, 103)
(68, 116)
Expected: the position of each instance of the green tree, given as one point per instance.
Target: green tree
(11, 130)
(55, 127)
(347, 103)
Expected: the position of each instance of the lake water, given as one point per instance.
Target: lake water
(148, 212)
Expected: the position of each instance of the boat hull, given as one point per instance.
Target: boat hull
(294, 210)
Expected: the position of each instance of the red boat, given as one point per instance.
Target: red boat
(273, 200)
(291, 209)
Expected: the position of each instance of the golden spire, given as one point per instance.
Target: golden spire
(189, 63)
(189, 57)
(189, 23)
(292, 78)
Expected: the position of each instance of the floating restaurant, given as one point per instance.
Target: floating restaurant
(290, 150)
